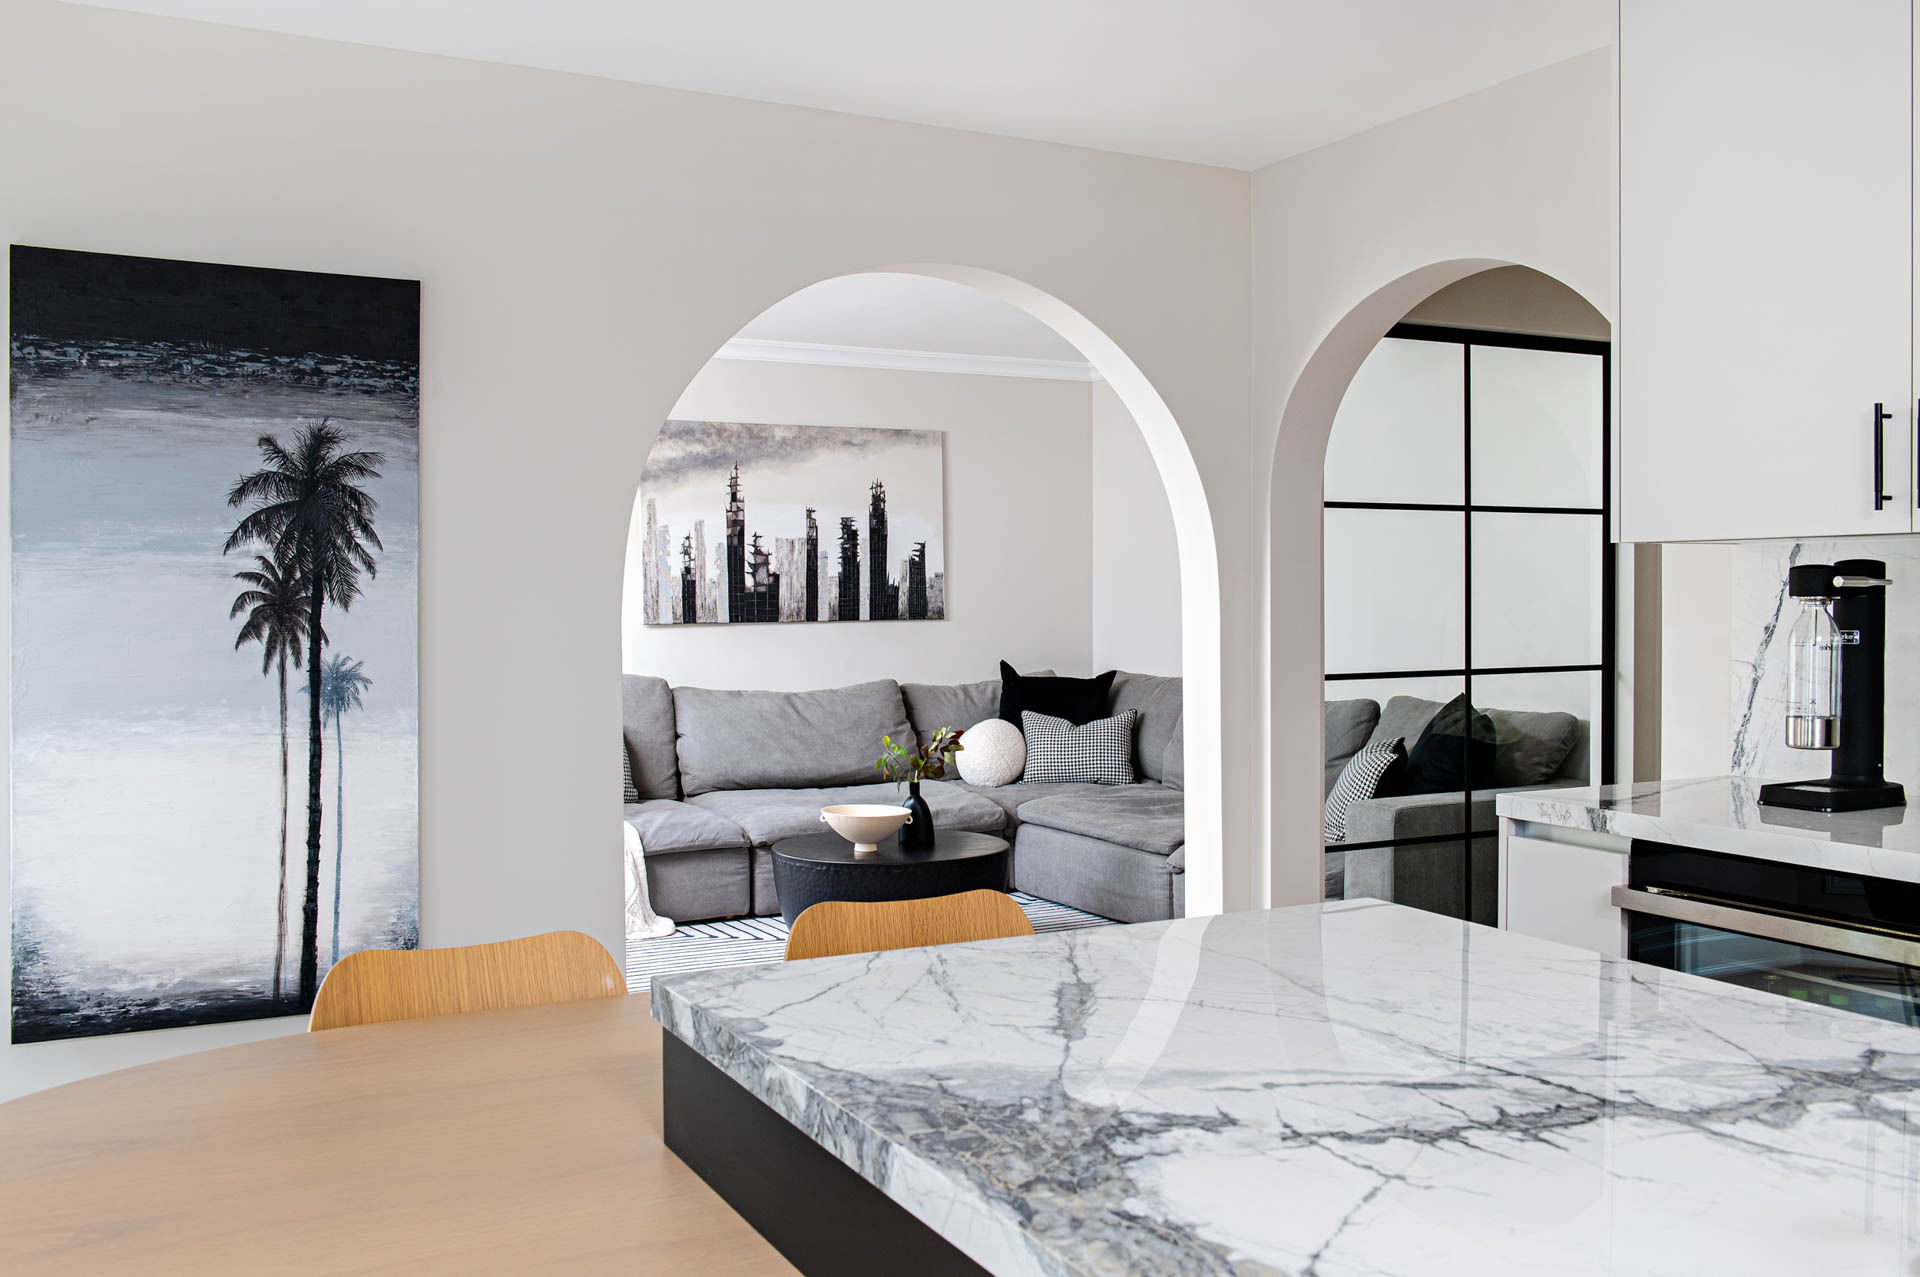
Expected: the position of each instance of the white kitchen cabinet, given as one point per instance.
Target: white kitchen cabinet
(1563, 890)
(1766, 252)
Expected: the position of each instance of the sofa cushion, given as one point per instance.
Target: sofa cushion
(1098, 876)
(1151, 819)
(1012, 798)
(646, 724)
(784, 740)
(768, 815)
(1173, 765)
(1348, 727)
(1160, 701)
(1097, 753)
(932, 706)
(1529, 747)
(1403, 716)
(1078, 700)
(1455, 748)
(666, 827)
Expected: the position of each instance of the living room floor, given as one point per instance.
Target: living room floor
(745, 942)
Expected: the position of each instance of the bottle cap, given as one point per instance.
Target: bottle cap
(1811, 581)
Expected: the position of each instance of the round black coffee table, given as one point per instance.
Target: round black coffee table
(816, 867)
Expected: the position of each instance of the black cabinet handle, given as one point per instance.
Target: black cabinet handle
(1880, 419)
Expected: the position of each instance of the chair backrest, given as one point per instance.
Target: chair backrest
(846, 926)
(406, 984)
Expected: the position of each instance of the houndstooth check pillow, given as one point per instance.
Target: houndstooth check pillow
(1360, 780)
(1096, 753)
(628, 792)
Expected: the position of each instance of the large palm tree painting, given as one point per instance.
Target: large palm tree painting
(215, 488)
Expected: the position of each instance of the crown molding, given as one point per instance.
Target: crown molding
(808, 352)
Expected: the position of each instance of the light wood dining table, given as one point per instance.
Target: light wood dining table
(524, 1141)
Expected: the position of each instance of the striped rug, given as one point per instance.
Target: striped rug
(746, 942)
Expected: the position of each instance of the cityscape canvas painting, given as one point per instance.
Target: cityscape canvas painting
(757, 523)
(215, 519)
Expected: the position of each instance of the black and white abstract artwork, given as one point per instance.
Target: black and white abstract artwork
(758, 523)
(215, 728)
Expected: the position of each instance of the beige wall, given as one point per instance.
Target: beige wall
(1136, 564)
(1018, 542)
(1348, 239)
(584, 247)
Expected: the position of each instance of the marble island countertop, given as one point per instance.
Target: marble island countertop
(1724, 813)
(1355, 1088)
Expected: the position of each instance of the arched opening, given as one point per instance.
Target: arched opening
(1458, 417)
(951, 449)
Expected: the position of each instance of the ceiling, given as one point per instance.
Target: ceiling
(909, 312)
(1239, 83)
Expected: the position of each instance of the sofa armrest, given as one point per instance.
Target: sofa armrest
(1424, 815)
(1417, 816)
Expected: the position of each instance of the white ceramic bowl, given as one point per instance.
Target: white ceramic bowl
(865, 824)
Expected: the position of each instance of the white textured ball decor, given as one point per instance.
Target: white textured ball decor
(992, 753)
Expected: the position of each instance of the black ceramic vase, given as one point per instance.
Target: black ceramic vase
(917, 834)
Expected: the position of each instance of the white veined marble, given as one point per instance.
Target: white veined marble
(1724, 813)
(1763, 617)
(1336, 1090)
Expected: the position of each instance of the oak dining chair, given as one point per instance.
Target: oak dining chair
(848, 926)
(405, 984)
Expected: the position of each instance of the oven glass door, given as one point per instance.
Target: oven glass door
(1848, 982)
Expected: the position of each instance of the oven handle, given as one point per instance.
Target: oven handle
(1770, 926)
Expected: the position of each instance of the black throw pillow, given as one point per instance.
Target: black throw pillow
(1078, 700)
(1456, 748)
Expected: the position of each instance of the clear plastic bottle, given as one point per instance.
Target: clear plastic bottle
(1813, 677)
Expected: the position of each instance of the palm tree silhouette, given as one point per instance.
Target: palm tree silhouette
(275, 605)
(341, 682)
(310, 510)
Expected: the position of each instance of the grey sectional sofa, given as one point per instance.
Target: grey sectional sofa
(723, 775)
(1531, 750)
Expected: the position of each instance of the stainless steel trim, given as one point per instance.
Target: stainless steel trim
(1768, 926)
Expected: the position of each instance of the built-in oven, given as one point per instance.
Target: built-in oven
(1842, 940)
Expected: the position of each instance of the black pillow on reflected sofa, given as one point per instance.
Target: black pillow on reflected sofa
(1459, 740)
(1078, 700)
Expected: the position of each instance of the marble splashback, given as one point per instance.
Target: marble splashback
(1763, 617)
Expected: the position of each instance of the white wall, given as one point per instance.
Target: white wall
(1018, 485)
(1348, 239)
(1136, 563)
(585, 246)
(1696, 660)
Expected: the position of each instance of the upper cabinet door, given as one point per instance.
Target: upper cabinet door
(1766, 268)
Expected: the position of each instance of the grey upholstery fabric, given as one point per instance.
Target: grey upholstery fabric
(667, 827)
(783, 740)
(1417, 815)
(932, 706)
(1159, 700)
(1173, 765)
(768, 815)
(1529, 747)
(1347, 725)
(1405, 717)
(766, 895)
(699, 884)
(1095, 875)
(1425, 876)
(1150, 820)
(646, 725)
(1013, 797)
